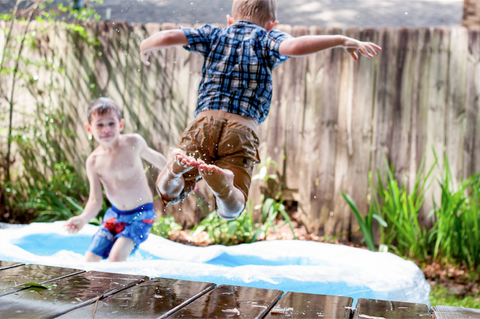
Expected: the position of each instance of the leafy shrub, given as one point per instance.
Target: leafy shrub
(164, 225)
(41, 138)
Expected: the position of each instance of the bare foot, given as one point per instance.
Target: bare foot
(230, 200)
(219, 180)
(180, 163)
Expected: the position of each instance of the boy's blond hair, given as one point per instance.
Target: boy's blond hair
(101, 106)
(257, 11)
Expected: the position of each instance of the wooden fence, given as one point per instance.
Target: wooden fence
(331, 122)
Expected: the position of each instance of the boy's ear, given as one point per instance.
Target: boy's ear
(121, 124)
(271, 25)
(88, 127)
(230, 20)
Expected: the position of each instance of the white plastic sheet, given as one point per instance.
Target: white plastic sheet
(288, 265)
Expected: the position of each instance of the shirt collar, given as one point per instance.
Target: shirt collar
(243, 23)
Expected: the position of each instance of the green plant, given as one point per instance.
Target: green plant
(243, 229)
(457, 220)
(38, 140)
(401, 209)
(273, 182)
(270, 210)
(56, 198)
(397, 211)
(164, 225)
(366, 224)
(223, 232)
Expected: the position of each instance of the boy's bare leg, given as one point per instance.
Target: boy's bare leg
(170, 181)
(230, 200)
(121, 249)
(91, 257)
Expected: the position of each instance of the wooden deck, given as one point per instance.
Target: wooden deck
(75, 293)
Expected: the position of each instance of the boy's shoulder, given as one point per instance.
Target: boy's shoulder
(131, 139)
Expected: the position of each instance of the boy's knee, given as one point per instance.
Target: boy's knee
(115, 257)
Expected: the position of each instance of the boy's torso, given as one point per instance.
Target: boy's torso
(236, 76)
(122, 174)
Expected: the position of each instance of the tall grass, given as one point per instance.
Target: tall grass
(457, 218)
(400, 208)
(455, 234)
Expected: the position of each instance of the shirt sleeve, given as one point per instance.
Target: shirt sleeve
(199, 39)
(273, 40)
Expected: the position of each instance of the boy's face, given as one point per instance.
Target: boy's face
(105, 128)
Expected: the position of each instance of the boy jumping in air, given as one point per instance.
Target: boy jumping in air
(117, 165)
(234, 97)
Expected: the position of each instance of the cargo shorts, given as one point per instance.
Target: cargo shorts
(221, 142)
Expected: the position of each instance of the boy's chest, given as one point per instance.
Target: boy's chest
(120, 165)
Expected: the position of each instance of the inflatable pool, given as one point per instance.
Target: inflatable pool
(289, 265)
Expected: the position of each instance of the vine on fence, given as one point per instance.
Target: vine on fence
(35, 133)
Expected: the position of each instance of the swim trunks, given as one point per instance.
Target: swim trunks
(221, 142)
(134, 224)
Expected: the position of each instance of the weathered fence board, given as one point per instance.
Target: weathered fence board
(331, 122)
(472, 134)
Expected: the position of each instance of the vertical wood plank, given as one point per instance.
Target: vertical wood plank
(456, 102)
(437, 99)
(419, 102)
(319, 139)
(295, 101)
(401, 125)
(276, 122)
(472, 134)
(360, 123)
(338, 221)
(384, 100)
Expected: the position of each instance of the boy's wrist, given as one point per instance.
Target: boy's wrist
(343, 40)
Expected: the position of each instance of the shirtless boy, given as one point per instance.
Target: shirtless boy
(117, 165)
(234, 97)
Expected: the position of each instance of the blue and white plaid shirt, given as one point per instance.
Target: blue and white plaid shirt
(237, 71)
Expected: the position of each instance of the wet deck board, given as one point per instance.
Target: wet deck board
(445, 312)
(9, 264)
(11, 278)
(151, 299)
(303, 305)
(231, 301)
(67, 294)
(368, 308)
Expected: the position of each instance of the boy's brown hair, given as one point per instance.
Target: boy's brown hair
(101, 106)
(257, 11)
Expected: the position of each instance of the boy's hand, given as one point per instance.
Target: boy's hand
(74, 224)
(144, 54)
(365, 48)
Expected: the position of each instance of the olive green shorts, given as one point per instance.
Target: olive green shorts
(221, 142)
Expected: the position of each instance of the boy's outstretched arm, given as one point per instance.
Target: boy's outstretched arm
(309, 44)
(95, 200)
(161, 40)
(150, 155)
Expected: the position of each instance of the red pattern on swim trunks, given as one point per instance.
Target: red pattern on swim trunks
(113, 226)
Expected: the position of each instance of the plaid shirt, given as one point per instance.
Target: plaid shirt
(237, 71)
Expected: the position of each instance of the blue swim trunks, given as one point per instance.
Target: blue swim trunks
(134, 224)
